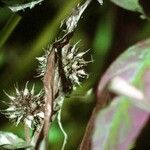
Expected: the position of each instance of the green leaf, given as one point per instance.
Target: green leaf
(9, 140)
(132, 5)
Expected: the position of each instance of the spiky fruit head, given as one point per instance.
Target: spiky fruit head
(25, 106)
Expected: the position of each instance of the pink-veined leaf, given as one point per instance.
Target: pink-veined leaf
(118, 125)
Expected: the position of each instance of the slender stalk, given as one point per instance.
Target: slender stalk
(8, 28)
(62, 129)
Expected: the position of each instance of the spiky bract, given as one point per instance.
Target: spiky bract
(74, 64)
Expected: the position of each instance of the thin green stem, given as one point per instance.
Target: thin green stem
(8, 28)
(62, 129)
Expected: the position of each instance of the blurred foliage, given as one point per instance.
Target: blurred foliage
(107, 30)
(120, 120)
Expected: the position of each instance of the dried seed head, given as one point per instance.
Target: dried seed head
(74, 64)
(25, 106)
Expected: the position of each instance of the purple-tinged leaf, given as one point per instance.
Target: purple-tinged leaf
(123, 88)
(146, 82)
(117, 126)
(125, 117)
(128, 65)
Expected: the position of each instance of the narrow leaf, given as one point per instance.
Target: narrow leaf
(17, 5)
